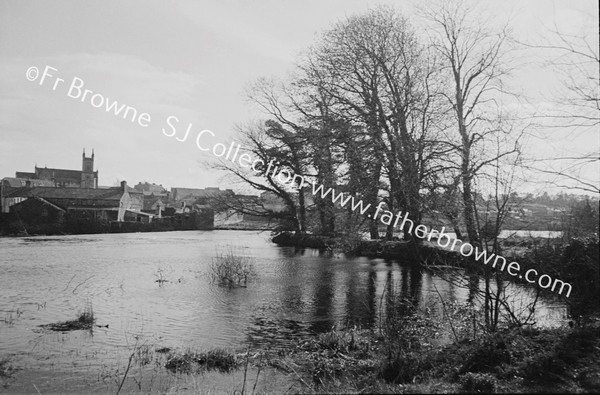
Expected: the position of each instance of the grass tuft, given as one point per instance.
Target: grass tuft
(6, 369)
(231, 270)
(84, 321)
(193, 362)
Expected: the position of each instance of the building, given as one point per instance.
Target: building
(99, 204)
(37, 216)
(152, 189)
(205, 195)
(84, 178)
(52, 210)
(9, 184)
(272, 202)
(154, 205)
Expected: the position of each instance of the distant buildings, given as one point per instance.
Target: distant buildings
(154, 205)
(55, 201)
(101, 204)
(272, 202)
(192, 194)
(84, 178)
(9, 184)
(151, 189)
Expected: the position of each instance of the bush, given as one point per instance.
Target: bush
(231, 270)
(406, 367)
(336, 341)
(478, 383)
(554, 362)
(544, 367)
(574, 261)
(487, 355)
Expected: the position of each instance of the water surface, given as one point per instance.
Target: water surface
(294, 294)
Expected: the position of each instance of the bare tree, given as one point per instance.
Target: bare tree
(278, 150)
(574, 105)
(472, 57)
(381, 78)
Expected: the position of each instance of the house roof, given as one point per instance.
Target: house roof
(150, 201)
(134, 191)
(68, 193)
(44, 201)
(15, 182)
(150, 193)
(148, 188)
(182, 193)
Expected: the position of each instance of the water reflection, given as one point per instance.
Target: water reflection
(297, 292)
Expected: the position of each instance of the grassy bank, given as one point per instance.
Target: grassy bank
(408, 355)
(511, 361)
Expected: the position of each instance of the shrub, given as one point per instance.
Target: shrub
(231, 270)
(544, 367)
(556, 359)
(478, 383)
(406, 367)
(486, 356)
(334, 340)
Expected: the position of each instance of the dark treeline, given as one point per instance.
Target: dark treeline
(385, 112)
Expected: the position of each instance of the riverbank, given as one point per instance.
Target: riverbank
(83, 222)
(258, 226)
(166, 225)
(399, 250)
(412, 360)
(510, 361)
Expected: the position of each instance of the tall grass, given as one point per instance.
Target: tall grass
(231, 270)
(85, 320)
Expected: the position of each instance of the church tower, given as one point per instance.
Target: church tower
(89, 177)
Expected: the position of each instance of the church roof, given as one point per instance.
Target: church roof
(24, 174)
(74, 175)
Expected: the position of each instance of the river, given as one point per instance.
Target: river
(294, 294)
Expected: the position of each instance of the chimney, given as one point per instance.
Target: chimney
(28, 184)
(124, 185)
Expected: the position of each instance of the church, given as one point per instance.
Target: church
(84, 178)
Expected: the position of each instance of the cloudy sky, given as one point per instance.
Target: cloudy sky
(188, 59)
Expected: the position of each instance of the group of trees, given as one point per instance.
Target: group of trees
(411, 117)
(381, 111)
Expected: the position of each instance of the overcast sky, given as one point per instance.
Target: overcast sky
(189, 59)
